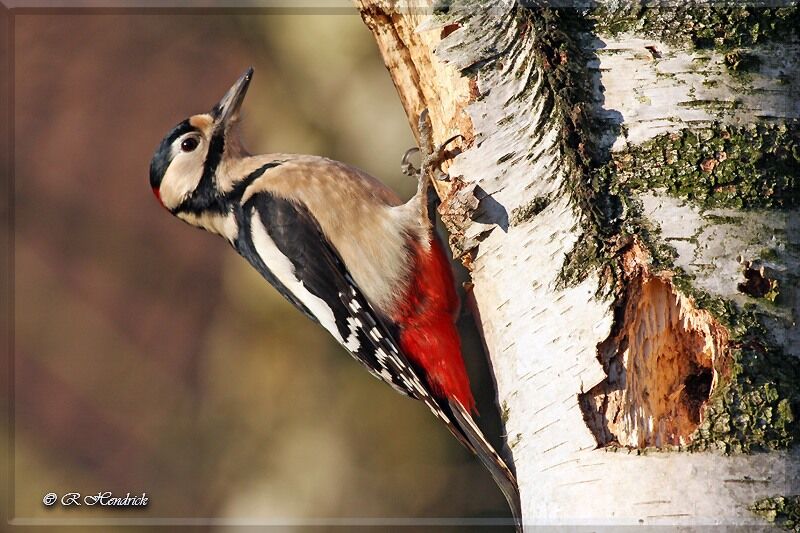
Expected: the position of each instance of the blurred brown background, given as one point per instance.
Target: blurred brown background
(148, 356)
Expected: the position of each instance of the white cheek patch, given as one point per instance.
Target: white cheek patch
(182, 176)
(282, 268)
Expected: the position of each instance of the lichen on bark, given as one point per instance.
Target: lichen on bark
(783, 511)
(526, 212)
(719, 165)
(751, 413)
(755, 399)
(711, 164)
(756, 406)
(712, 25)
(754, 166)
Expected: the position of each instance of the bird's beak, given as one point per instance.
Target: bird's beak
(227, 110)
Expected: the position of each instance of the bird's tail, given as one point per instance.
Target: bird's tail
(491, 460)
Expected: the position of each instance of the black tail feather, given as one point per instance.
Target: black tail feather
(491, 460)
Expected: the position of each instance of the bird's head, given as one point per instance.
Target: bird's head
(184, 166)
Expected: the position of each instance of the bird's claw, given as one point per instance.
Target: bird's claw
(431, 158)
(406, 167)
(433, 163)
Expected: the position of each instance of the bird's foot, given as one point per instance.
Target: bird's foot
(432, 164)
(406, 166)
(431, 157)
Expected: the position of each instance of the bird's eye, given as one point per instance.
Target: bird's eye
(189, 144)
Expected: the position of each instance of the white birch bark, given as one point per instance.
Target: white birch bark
(601, 407)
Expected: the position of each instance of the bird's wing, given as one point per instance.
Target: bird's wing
(283, 241)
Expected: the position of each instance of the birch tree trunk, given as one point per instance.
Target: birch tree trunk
(626, 200)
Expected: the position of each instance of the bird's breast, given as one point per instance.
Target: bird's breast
(223, 224)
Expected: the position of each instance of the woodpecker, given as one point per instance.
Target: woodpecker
(342, 248)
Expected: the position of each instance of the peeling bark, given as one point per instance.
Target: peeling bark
(627, 205)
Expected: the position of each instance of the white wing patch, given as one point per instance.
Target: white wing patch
(282, 268)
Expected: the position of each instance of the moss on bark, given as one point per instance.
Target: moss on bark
(720, 166)
(783, 511)
(722, 26)
(756, 402)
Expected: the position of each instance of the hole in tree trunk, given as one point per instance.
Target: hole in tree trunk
(661, 361)
(697, 388)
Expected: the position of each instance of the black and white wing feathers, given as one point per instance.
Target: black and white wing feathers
(285, 244)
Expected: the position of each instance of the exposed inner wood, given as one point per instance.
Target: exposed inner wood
(422, 81)
(662, 361)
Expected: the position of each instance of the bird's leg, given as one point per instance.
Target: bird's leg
(432, 156)
(431, 160)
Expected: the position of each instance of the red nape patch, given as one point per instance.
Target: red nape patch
(158, 195)
(428, 333)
